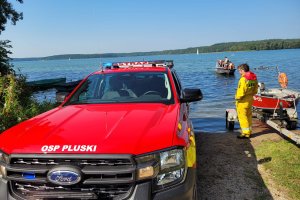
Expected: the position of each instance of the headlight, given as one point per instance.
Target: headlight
(3, 163)
(165, 168)
(172, 167)
(148, 166)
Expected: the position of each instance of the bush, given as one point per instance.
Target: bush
(16, 101)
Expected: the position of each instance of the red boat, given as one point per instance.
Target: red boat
(276, 99)
(273, 99)
(278, 103)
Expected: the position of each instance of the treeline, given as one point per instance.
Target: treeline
(272, 44)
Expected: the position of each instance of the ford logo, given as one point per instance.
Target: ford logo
(64, 175)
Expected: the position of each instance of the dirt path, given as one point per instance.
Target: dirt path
(228, 168)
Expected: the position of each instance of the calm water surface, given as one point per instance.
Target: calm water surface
(194, 70)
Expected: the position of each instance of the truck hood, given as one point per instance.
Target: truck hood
(88, 129)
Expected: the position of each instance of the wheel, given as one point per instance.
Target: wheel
(291, 125)
(229, 124)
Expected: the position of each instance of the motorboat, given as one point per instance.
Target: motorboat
(275, 98)
(225, 69)
(45, 84)
(277, 104)
(67, 86)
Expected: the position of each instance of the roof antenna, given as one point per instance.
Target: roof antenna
(143, 62)
(101, 66)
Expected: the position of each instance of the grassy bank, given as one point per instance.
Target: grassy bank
(282, 163)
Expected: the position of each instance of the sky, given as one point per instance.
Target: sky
(54, 27)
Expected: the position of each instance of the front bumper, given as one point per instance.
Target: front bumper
(183, 191)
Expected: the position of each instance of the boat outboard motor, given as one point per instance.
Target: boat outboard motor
(261, 87)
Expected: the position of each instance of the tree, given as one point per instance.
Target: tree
(5, 67)
(7, 13)
(11, 86)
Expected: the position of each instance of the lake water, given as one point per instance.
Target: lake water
(194, 70)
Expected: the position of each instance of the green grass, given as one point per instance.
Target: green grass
(284, 165)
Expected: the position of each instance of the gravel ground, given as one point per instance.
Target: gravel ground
(228, 168)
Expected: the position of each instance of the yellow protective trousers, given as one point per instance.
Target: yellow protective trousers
(245, 118)
(244, 98)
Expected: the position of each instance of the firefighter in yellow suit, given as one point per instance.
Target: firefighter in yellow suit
(247, 88)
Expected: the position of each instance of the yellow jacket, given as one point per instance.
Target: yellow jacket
(247, 88)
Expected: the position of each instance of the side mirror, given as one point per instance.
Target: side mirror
(191, 94)
(61, 96)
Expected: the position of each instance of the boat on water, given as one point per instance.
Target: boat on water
(45, 84)
(64, 89)
(66, 86)
(225, 69)
(221, 70)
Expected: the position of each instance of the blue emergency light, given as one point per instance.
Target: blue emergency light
(28, 175)
(107, 65)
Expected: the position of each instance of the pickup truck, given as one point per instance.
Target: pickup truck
(123, 133)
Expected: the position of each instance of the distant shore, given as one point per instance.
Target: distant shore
(272, 44)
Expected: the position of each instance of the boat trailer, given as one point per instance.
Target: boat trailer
(283, 121)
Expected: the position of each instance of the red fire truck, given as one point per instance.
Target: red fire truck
(123, 133)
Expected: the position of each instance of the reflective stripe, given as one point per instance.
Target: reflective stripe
(246, 135)
(246, 129)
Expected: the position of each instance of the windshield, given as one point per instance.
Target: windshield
(124, 87)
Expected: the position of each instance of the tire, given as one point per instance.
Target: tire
(291, 125)
(229, 124)
(226, 120)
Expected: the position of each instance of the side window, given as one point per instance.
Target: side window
(177, 83)
(87, 90)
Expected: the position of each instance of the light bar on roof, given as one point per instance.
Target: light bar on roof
(133, 64)
(154, 63)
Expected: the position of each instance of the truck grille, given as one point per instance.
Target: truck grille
(103, 176)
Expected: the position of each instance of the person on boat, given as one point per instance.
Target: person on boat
(220, 63)
(226, 62)
(247, 88)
